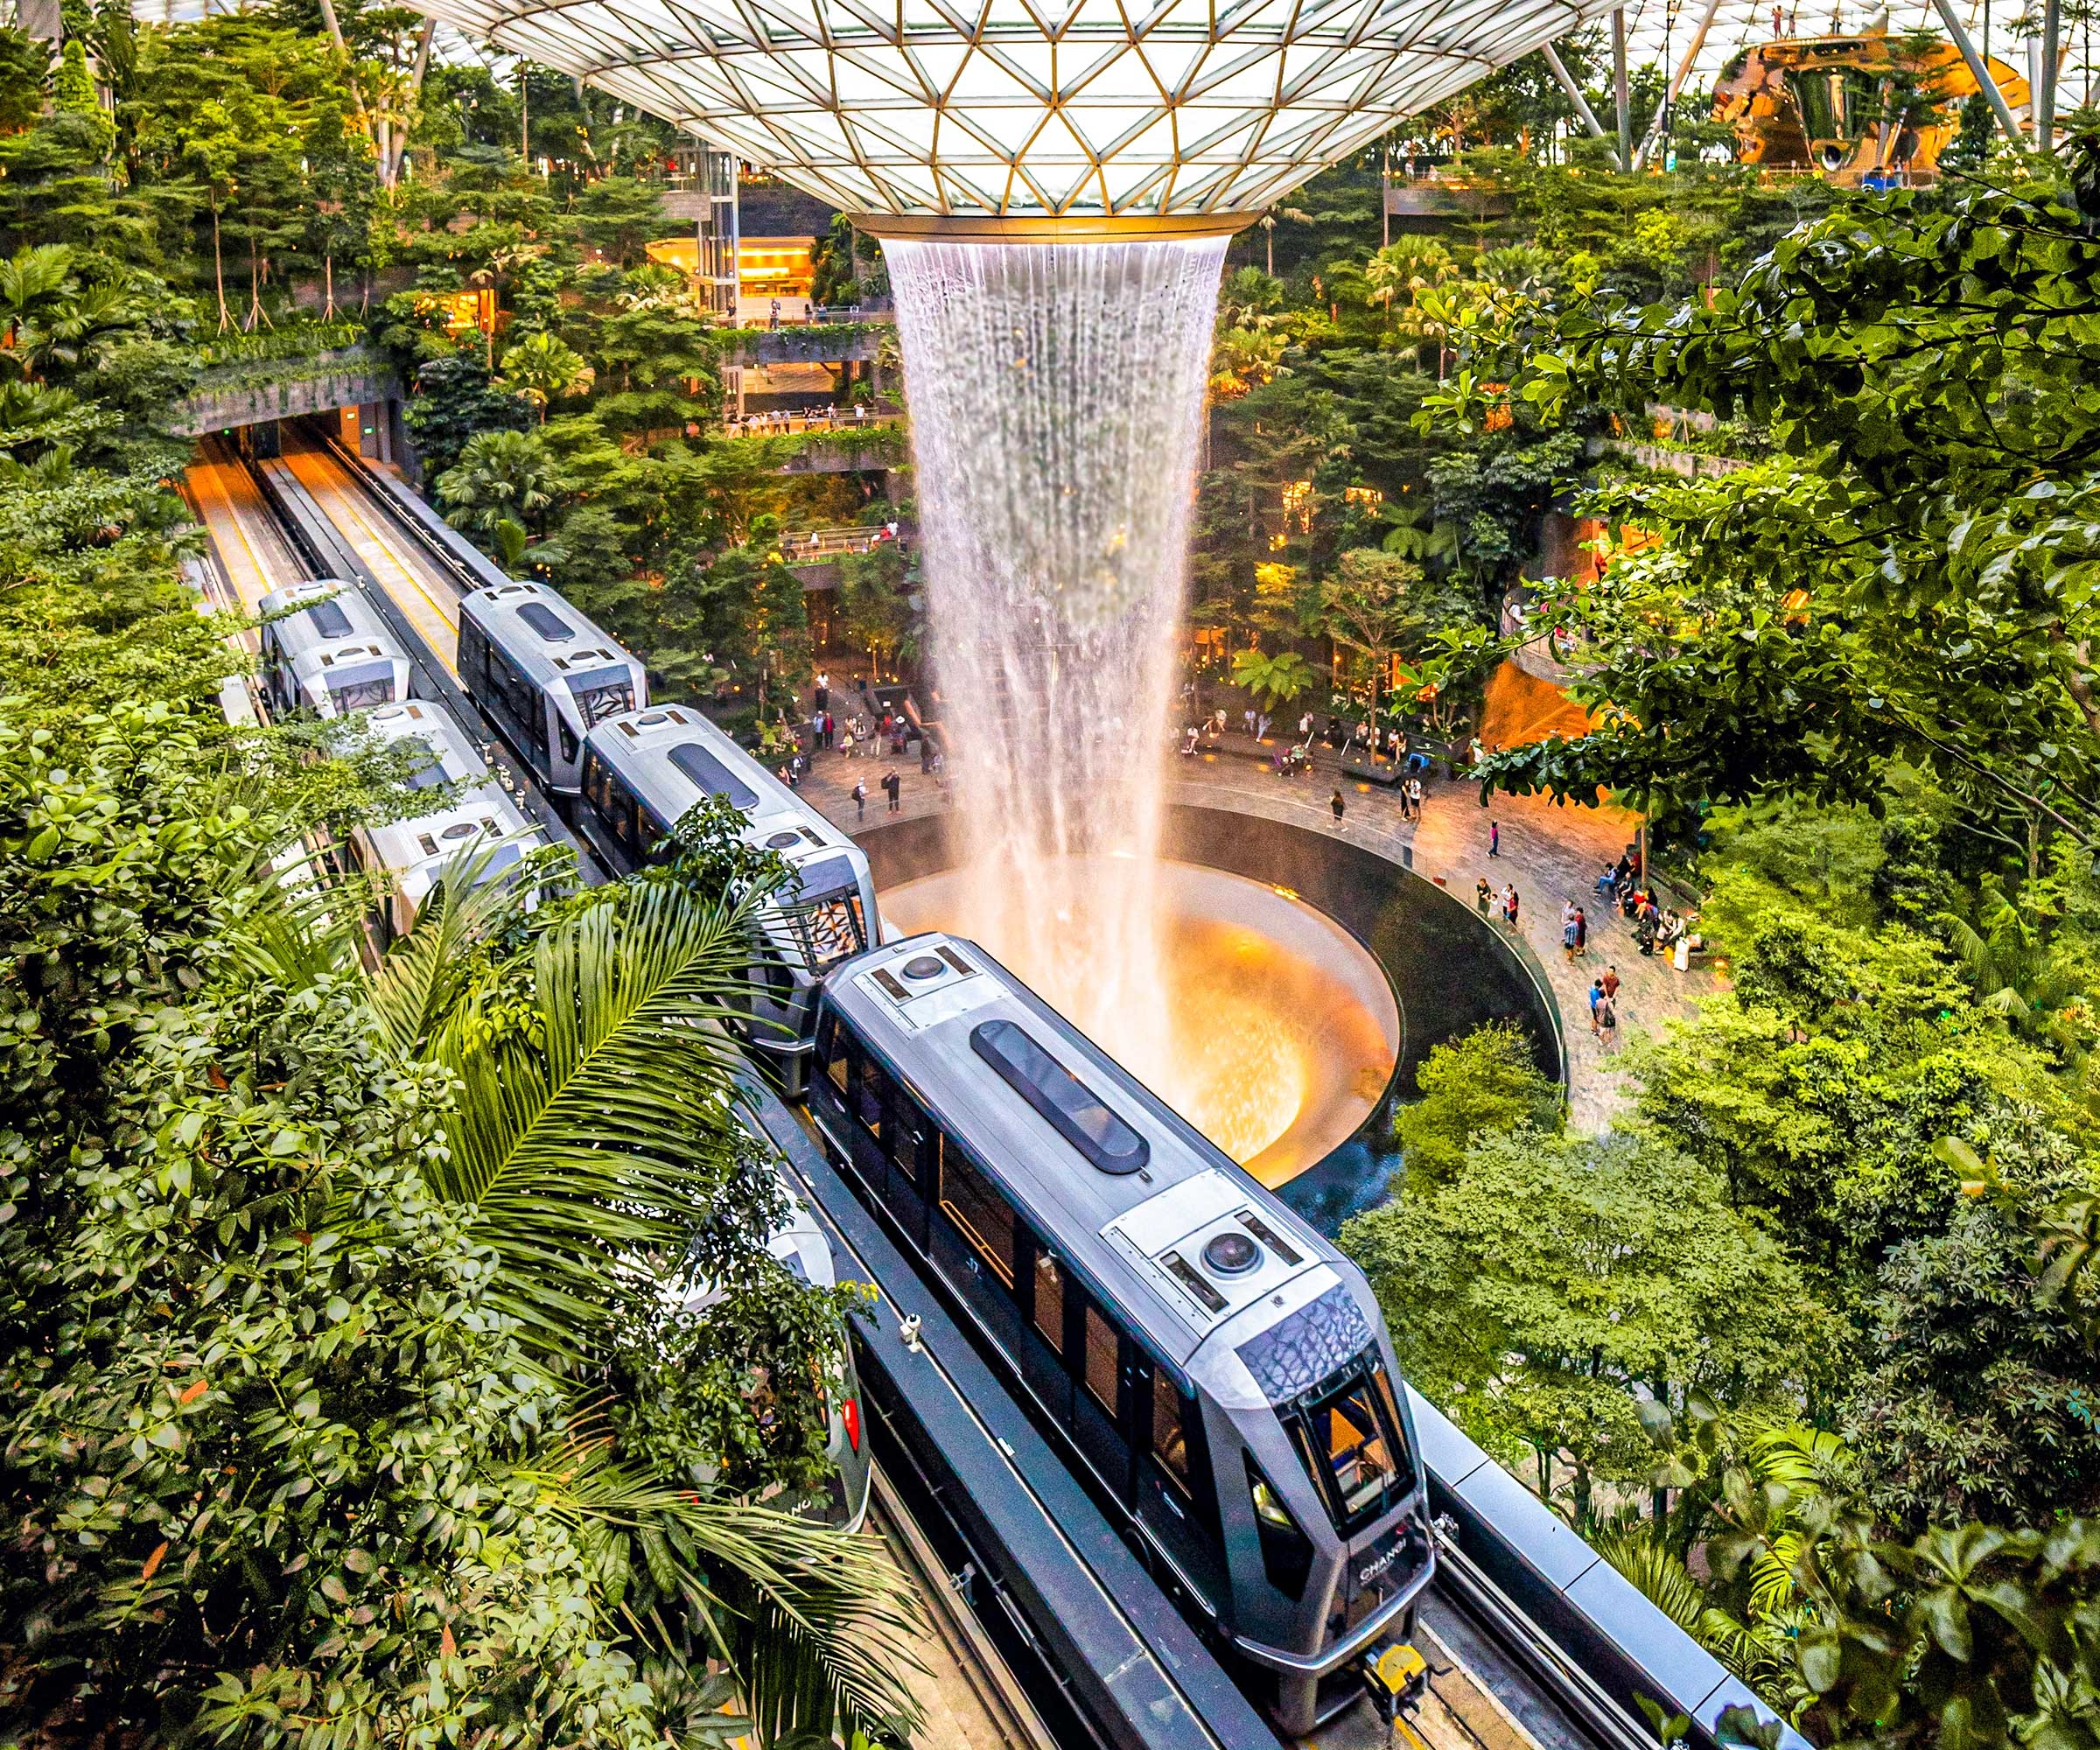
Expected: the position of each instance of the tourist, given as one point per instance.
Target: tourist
(1608, 1021)
(824, 690)
(774, 314)
(845, 740)
(1247, 718)
(1494, 839)
(1596, 1005)
(1607, 883)
(1483, 896)
(1510, 904)
(1336, 804)
(1261, 727)
(1610, 981)
(894, 786)
(860, 801)
(1414, 796)
(1582, 933)
(1567, 933)
(1305, 728)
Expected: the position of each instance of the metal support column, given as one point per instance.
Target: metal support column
(1661, 119)
(1574, 94)
(1979, 70)
(1620, 93)
(2045, 98)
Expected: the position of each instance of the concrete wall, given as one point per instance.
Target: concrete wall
(220, 409)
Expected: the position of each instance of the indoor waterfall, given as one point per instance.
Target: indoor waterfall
(1056, 391)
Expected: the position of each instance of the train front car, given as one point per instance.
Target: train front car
(544, 674)
(643, 771)
(326, 650)
(1213, 1371)
(478, 823)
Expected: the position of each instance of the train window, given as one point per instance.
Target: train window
(1101, 1364)
(359, 695)
(1074, 1111)
(982, 1215)
(832, 1050)
(568, 740)
(474, 652)
(545, 621)
(604, 694)
(1286, 1551)
(1050, 1299)
(1351, 1446)
(1170, 1429)
(869, 1082)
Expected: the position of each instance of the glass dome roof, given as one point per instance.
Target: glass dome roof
(1007, 108)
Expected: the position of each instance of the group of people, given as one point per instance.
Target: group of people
(1604, 1004)
(1574, 931)
(784, 422)
(893, 786)
(1508, 903)
(1655, 926)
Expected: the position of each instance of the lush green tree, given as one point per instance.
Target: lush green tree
(618, 217)
(1552, 1284)
(875, 610)
(543, 369)
(1474, 1088)
(453, 403)
(500, 476)
(1273, 680)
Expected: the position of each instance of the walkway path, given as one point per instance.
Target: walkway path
(1550, 851)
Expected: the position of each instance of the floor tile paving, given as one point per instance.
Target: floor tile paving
(1550, 851)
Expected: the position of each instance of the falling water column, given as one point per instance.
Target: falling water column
(1056, 391)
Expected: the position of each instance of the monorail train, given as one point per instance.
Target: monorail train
(544, 674)
(325, 649)
(643, 771)
(800, 1244)
(1217, 1374)
(411, 854)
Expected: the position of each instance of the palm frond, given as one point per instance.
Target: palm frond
(1667, 1584)
(427, 973)
(821, 1615)
(1970, 949)
(595, 1139)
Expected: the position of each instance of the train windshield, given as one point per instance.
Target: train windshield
(1351, 1446)
(359, 687)
(329, 620)
(604, 693)
(826, 911)
(429, 767)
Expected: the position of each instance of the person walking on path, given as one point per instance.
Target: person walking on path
(823, 690)
(1483, 896)
(1337, 805)
(894, 786)
(1494, 839)
(1596, 1000)
(860, 801)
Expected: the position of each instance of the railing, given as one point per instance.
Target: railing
(811, 546)
(789, 423)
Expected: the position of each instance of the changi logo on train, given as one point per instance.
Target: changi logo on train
(1376, 1566)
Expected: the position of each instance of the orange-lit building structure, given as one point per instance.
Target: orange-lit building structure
(1867, 109)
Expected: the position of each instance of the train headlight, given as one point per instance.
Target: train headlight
(849, 1412)
(1270, 1510)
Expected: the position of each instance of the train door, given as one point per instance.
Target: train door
(973, 1244)
(1177, 1498)
(1047, 1303)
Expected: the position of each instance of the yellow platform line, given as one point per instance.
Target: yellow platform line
(433, 611)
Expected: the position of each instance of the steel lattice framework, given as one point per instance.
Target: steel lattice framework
(1189, 110)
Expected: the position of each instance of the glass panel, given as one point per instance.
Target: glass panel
(329, 620)
(710, 773)
(1050, 1300)
(545, 621)
(868, 1085)
(362, 693)
(1074, 1111)
(980, 1213)
(606, 694)
(1170, 1436)
(838, 1069)
(1101, 1360)
(1350, 1445)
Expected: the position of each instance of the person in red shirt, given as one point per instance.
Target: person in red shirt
(1611, 981)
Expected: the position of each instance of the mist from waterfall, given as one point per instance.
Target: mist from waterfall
(1056, 391)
